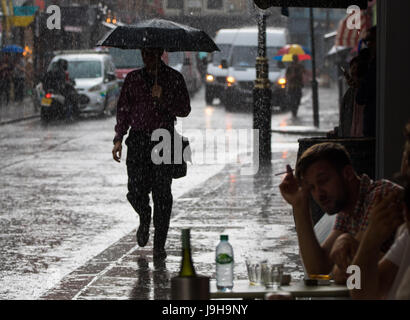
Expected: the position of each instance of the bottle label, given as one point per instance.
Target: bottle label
(224, 258)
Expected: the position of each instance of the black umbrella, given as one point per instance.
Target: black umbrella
(159, 33)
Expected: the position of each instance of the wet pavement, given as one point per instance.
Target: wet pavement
(247, 208)
(17, 111)
(67, 232)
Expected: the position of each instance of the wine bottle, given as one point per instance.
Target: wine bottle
(187, 267)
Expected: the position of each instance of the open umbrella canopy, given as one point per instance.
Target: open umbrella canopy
(289, 57)
(286, 53)
(159, 33)
(293, 49)
(12, 48)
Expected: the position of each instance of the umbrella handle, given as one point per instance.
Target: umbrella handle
(156, 77)
(156, 72)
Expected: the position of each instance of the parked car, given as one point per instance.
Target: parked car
(241, 69)
(186, 64)
(95, 80)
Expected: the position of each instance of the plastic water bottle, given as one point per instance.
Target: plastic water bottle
(224, 264)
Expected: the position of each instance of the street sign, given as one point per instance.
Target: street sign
(264, 4)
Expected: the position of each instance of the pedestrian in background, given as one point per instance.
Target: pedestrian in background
(348, 102)
(357, 125)
(151, 98)
(19, 76)
(294, 76)
(202, 64)
(30, 82)
(6, 69)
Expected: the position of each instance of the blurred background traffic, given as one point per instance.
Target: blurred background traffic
(30, 47)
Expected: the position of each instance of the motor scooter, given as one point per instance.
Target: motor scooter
(54, 105)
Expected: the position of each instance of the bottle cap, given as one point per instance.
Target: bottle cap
(224, 237)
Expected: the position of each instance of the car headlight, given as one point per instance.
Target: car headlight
(282, 82)
(230, 80)
(95, 88)
(210, 78)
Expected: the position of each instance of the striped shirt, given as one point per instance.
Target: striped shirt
(359, 219)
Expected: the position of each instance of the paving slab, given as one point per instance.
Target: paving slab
(247, 208)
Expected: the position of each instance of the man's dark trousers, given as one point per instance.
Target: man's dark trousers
(145, 177)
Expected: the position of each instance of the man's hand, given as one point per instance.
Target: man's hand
(344, 250)
(339, 275)
(384, 218)
(291, 191)
(116, 151)
(156, 91)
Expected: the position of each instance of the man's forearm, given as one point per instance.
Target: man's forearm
(366, 259)
(315, 258)
(121, 129)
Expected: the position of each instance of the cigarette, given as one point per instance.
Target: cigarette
(278, 174)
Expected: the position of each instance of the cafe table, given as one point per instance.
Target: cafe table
(243, 290)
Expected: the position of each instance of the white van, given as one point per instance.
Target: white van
(242, 71)
(215, 80)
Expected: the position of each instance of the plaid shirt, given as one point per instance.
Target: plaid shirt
(359, 219)
(136, 107)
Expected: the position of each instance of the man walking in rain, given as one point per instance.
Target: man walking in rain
(151, 98)
(294, 76)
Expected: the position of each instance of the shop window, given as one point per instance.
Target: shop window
(175, 4)
(215, 4)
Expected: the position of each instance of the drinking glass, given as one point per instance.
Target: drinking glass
(272, 275)
(254, 268)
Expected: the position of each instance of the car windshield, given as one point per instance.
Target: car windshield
(175, 58)
(126, 58)
(245, 57)
(219, 55)
(82, 69)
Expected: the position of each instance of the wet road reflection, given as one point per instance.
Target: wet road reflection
(142, 288)
(153, 280)
(162, 281)
(209, 111)
(64, 203)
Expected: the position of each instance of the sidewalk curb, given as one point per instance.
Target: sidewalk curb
(18, 120)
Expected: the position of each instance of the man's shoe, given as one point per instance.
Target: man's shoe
(143, 230)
